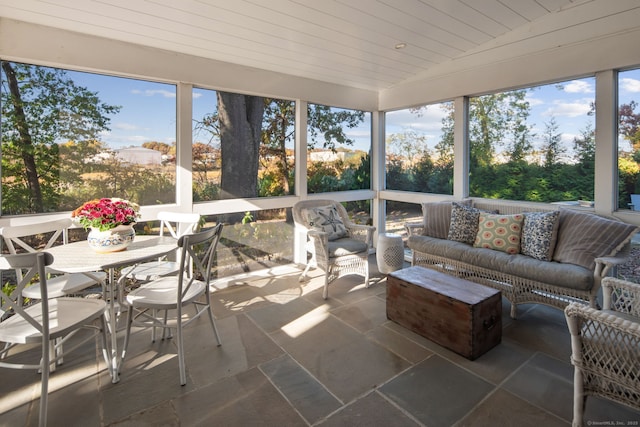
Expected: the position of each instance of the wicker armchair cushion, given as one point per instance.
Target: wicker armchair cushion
(540, 234)
(499, 232)
(327, 219)
(346, 246)
(583, 237)
(437, 218)
(564, 275)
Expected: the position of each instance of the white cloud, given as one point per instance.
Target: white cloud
(569, 109)
(630, 85)
(532, 100)
(154, 92)
(578, 86)
(430, 120)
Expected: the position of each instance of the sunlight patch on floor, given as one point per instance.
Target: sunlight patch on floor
(306, 322)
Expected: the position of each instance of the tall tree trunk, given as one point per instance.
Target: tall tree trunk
(240, 118)
(25, 141)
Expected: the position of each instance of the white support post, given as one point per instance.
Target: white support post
(184, 156)
(461, 148)
(606, 168)
(378, 156)
(299, 251)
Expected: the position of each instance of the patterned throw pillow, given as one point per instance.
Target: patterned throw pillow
(583, 237)
(327, 219)
(499, 232)
(539, 234)
(464, 223)
(437, 218)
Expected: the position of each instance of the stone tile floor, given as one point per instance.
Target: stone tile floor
(290, 358)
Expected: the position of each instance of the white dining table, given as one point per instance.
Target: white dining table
(78, 257)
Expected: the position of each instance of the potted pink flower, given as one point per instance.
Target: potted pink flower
(111, 223)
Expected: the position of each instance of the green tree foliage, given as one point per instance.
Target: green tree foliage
(552, 145)
(277, 134)
(41, 106)
(327, 125)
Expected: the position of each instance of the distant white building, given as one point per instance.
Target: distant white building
(139, 156)
(330, 156)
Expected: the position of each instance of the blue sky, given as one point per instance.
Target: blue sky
(148, 109)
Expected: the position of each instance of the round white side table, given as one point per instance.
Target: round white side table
(389, 253)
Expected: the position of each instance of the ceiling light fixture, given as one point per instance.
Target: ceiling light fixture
(400, 46)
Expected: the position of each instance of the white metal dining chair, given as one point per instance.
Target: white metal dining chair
(175, 224)
(25, 237)
(176, 292)
(43, 323)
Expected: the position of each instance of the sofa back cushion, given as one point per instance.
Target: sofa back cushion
(437, 217)
(540, 234)
(583, 237)
(499, 232)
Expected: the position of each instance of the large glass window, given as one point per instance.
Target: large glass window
(419, 149)
(243, 146)
(398, 214)
(534, 144)
(629, 140)
(69, 137)
(259, 240)
(339, 143)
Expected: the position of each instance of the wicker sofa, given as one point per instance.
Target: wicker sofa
(550, 254)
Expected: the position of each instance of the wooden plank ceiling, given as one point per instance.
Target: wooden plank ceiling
(349, 42)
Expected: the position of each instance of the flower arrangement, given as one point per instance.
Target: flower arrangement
(107, 213)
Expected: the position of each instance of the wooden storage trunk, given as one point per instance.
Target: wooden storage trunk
(460, 315)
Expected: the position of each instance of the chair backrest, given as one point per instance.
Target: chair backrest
(178, 223)
(29, 264)
(198, 252)
(299, 215)
(14, 235)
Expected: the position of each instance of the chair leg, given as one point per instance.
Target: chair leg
(366, 274)
(213, 322)
(128, 332)
(153, 328)
(164, 330)
(303, 276)
(44, 380)
(106, 348)
(183, 374)
(578, 397)
(325, 291)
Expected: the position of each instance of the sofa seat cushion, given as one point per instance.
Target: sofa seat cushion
(554, 273)
(346, 246)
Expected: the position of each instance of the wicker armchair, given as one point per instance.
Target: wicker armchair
(335, 254)
(606, 347)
